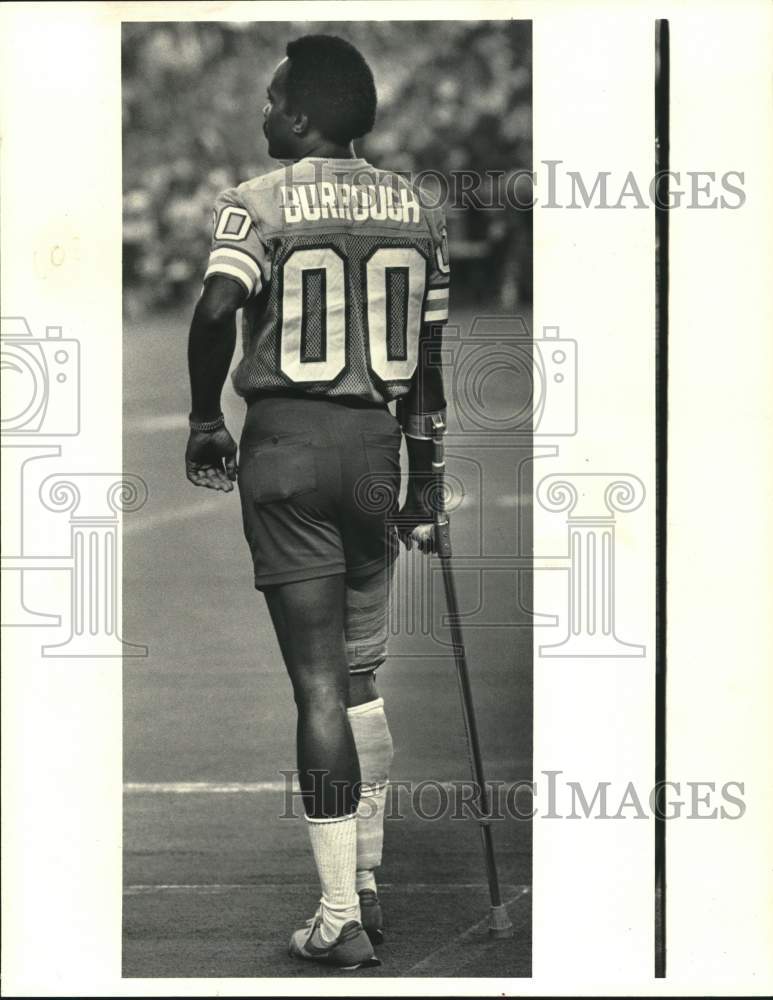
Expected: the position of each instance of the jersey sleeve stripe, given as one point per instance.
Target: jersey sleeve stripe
(436, 315)
(435, 294)
(442, 266)
(220, 267)
(233, 256)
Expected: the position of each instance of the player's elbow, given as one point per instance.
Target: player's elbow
(219, 302)
(214, 312)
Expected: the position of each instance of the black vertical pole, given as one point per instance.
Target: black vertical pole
(662, 159)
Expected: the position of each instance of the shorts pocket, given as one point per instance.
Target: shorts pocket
(379, 490)
(382, 451)
(279, 468)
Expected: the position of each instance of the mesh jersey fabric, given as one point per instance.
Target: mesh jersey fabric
(342, 265)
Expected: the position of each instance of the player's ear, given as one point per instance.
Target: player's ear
(301, 124)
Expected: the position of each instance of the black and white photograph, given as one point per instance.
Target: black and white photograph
(323, 746)
(386, 408)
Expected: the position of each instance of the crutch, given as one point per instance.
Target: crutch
(500, 924)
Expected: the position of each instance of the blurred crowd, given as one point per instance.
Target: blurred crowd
(453, 96)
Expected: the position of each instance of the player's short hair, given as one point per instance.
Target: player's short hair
(329, 81)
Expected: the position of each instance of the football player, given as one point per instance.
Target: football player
(342, 275)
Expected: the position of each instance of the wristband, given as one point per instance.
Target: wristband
(204, 426)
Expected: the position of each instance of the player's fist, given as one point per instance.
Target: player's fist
(415, 527)
(210, 459)
(422, 536)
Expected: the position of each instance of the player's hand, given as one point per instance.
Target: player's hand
(210, 459)
(415, 527)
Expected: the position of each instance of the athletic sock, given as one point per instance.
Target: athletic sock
(334, 845)
(375, 750)
(365, 879)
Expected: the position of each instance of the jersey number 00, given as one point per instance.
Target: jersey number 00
(397, 364)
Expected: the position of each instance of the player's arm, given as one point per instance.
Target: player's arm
(211, 344)
(210, 458)
(234, 273)
(424, 401)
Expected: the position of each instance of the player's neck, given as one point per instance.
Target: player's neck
(328, 150)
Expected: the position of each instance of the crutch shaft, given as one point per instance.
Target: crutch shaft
(471, 729)
(443, 549)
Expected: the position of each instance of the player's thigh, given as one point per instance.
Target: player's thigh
(288, 485)
(309, 621)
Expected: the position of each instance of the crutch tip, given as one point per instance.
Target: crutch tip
(499, 925)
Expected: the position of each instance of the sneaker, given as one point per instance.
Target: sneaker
(372, 918)
(350, 950)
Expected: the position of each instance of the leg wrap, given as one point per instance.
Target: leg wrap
(375, 750)
(366, 619)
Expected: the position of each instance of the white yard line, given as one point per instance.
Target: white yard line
(441, 888)
(158, 422)
(258, 787)
(202, 787)
(513, 499)
(445, 960)
(206, 504)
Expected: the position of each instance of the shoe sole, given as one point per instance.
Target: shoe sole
(366, 963)
(369, 963)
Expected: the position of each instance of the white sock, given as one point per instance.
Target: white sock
(375, 751)
(334, 845)
(365, 879)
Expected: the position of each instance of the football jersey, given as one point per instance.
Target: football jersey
(342, 265)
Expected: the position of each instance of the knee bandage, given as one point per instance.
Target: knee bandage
(366, 619)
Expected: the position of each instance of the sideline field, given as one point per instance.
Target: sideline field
(215, 882)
